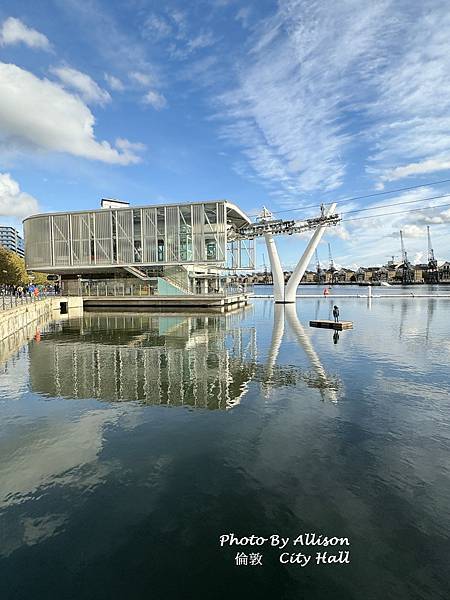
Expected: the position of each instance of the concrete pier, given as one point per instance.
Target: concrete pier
(16, 318)
(213, 301)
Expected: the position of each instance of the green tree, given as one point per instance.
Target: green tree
(40, 278)
(12, 268)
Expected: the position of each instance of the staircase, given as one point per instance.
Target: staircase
(178, 278)
(138, 273)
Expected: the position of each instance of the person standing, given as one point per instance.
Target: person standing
(336, 313)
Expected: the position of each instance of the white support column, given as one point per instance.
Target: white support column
(277, 336)
(299, 271)
(326, 388)
(277, 271)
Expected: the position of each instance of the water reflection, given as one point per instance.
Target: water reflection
(318, 377)
(92, 493)
(197, 361)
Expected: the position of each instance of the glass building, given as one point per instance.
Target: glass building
(175, 248)
(11, 240)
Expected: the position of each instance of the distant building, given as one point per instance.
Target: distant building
(420, 272)
(444, 272)
(11, 240)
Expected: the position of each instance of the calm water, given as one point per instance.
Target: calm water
(129, 443)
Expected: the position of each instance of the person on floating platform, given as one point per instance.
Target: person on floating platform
(336, 313)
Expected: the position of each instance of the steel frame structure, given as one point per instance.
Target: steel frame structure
(180, 234)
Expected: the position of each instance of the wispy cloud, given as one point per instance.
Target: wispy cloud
(180, 36)
(114, 82)
(329, 90)
(290, 110)
(82, 83)
(425, 167)
(154, 99)
(376, 237)
(14, 31)
(243, 15)
(142, 79)
(156, 27)
(411, 128)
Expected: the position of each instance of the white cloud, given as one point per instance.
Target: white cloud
(156, 28)
(128, 146)
(419, 168)
(410, 231)
(202, 40)
(14, 202)
(411, 129)
(143, 79)
(156, 100)
(13, 31)
(290, 110)
(114, 82)
(88, 89)
(374, 240)
(39, 114)
(243, 15)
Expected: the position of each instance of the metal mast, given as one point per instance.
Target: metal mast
(331, 267)
(432, 271)
(407, 271)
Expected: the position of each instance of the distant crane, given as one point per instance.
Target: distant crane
(407, 270)
(319, 270)
(331, 267)
(432, 271)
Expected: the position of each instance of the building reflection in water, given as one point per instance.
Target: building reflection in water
(199, 361)
(178, 359)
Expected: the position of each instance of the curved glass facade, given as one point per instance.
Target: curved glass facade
(152, 235)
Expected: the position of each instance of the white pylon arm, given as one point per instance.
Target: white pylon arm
(277, 270)
(302, 265)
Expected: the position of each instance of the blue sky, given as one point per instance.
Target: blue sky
(283, 104)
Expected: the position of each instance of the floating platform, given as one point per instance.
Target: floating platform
(339, 326)
(211, 301)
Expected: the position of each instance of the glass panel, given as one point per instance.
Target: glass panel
(161, 233)
(137, 235)
(61, 239)
(103, 237)
(185, 233)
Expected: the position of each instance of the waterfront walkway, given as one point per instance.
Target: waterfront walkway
(9, 301)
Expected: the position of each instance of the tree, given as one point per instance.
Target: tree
(13, 272)
(40, 278)
(12, 268)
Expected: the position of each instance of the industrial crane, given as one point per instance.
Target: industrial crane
(407, 270)
(432, 271)
(331, 267)
(319, 270)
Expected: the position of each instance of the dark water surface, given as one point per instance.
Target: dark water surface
(129, 443)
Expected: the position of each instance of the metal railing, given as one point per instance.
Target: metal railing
(142, 289)
(8, 301)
